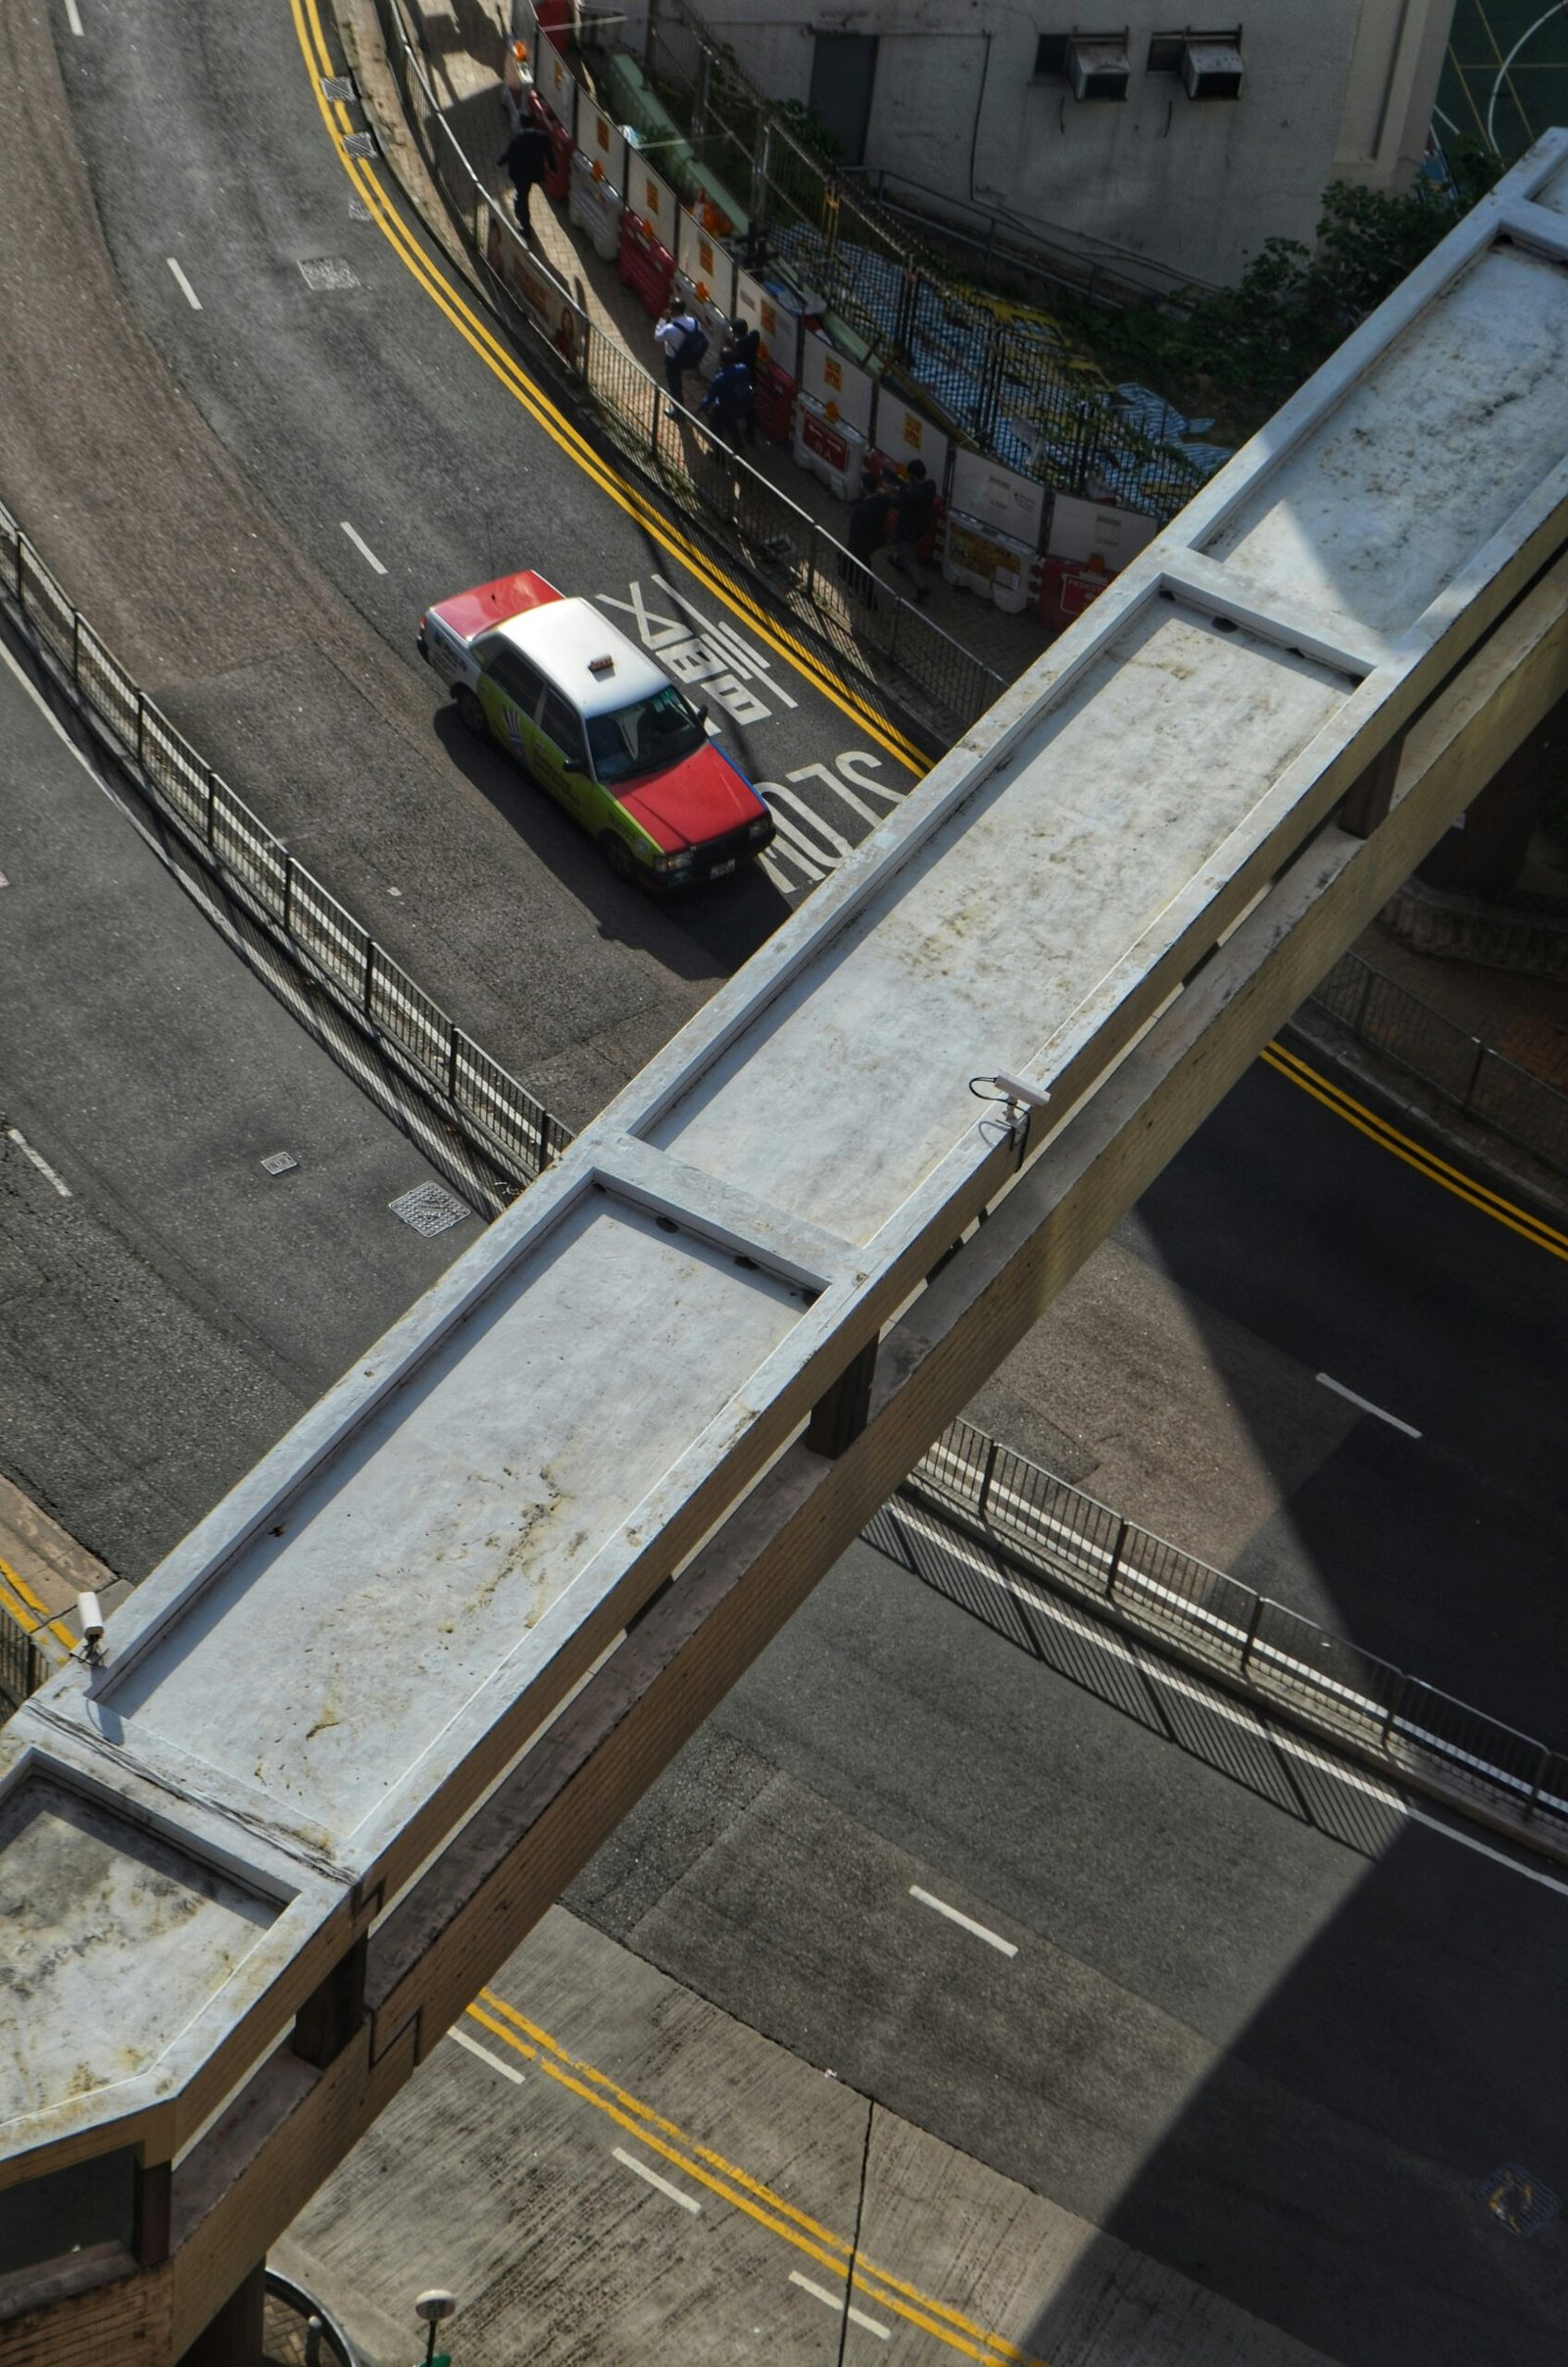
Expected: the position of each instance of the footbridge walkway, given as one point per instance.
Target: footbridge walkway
(353, 1737)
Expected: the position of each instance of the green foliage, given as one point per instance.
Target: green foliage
(1241, 351)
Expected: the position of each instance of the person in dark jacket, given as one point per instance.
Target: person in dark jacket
(914, 517)
(745, 346)
(729, 401)
(526, 158)
(866, 533)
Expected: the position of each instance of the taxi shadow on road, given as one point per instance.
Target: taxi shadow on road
(696, 933)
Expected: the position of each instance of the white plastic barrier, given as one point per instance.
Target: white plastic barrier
(830, 379)
(705, 264)
(595, 205)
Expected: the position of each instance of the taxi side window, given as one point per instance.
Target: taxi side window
(564, 725)
(513, 674)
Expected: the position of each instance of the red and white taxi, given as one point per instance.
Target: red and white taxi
(599, 726)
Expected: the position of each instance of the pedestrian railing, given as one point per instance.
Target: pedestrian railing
(798, 561)
(24, 1666)
(973, 1515)
(513, 1128)
(1476, 1079)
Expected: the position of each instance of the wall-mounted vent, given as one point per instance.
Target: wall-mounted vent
(1099, 68)
(1212, 69)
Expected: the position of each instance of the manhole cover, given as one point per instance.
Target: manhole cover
(360, 143)
(429, 1208)
(1520, 2202)
(278, 1163)
(328, 271)
(337, 86)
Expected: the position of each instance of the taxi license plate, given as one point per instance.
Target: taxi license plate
(719, 869)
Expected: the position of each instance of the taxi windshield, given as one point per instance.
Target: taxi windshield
(643, 738)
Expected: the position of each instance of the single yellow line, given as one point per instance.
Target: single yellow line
(1426, 1162)
(30, 1602)
(744, 2193)
(504, 366)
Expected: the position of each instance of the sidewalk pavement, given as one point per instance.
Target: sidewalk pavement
(42, 1571)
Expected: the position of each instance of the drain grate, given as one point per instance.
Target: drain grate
(328, 271)
(338, 86)
(360, 143)
(429, 1208)
(1520, 2202)
(278, 1163)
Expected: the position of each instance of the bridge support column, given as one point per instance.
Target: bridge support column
(334, 2010)
(839, 1417)
(234, 2335)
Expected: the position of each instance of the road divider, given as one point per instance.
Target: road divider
(973, 1509)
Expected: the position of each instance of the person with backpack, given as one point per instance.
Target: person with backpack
(683, 341)
(729, 401)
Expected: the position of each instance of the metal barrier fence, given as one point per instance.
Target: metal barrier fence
(1278, 1658)
(1467, 1072)
(515, 1129)
(23, 1666)
(798, 561)
(1005, 376)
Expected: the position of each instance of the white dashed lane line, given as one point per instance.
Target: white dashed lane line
(630, 2161)
(74, 19)
(460, 2038)
(361, 546)
(1327, 1381)
(857, 2317)
(965, 1923)
(16, 1135)
(189, 293)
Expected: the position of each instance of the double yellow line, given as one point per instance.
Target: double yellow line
(1533, 1229)
(505, 366)
(729, 2184)
(17, 1598)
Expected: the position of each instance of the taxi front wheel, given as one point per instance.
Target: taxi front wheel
(618, 855)
(471, 715)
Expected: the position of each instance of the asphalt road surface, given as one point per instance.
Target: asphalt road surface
(394, 452)
(169, 1306)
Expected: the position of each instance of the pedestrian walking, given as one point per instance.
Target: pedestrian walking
(728, 402)
(682, 340)
(526, 158)
(914, 517)
(746, 346)
(865, 533)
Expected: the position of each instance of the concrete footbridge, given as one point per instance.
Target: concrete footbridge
(347, 1744)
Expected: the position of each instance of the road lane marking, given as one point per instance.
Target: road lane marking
(505, 366)
(967, 1923)
(1479, 1195)
(688, 2202)
(1326, 1380)
(834, 2254)
(1235, 1713)
(191, 295)
(508, 2071)
(33, 1608)
(74, 19)
(16, 1135)
(1482, 1848)
(819, 2292)
(361, 546)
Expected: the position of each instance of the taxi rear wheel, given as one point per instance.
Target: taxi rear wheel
(471, 715)
(618, 855)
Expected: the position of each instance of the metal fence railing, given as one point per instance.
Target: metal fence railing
(512, 1127)
(719, 492)
(1003, 374)
(1278, 1658)
(23, 1665)
(1477, 1080)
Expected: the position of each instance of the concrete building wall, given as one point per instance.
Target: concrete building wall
(1192, 186)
